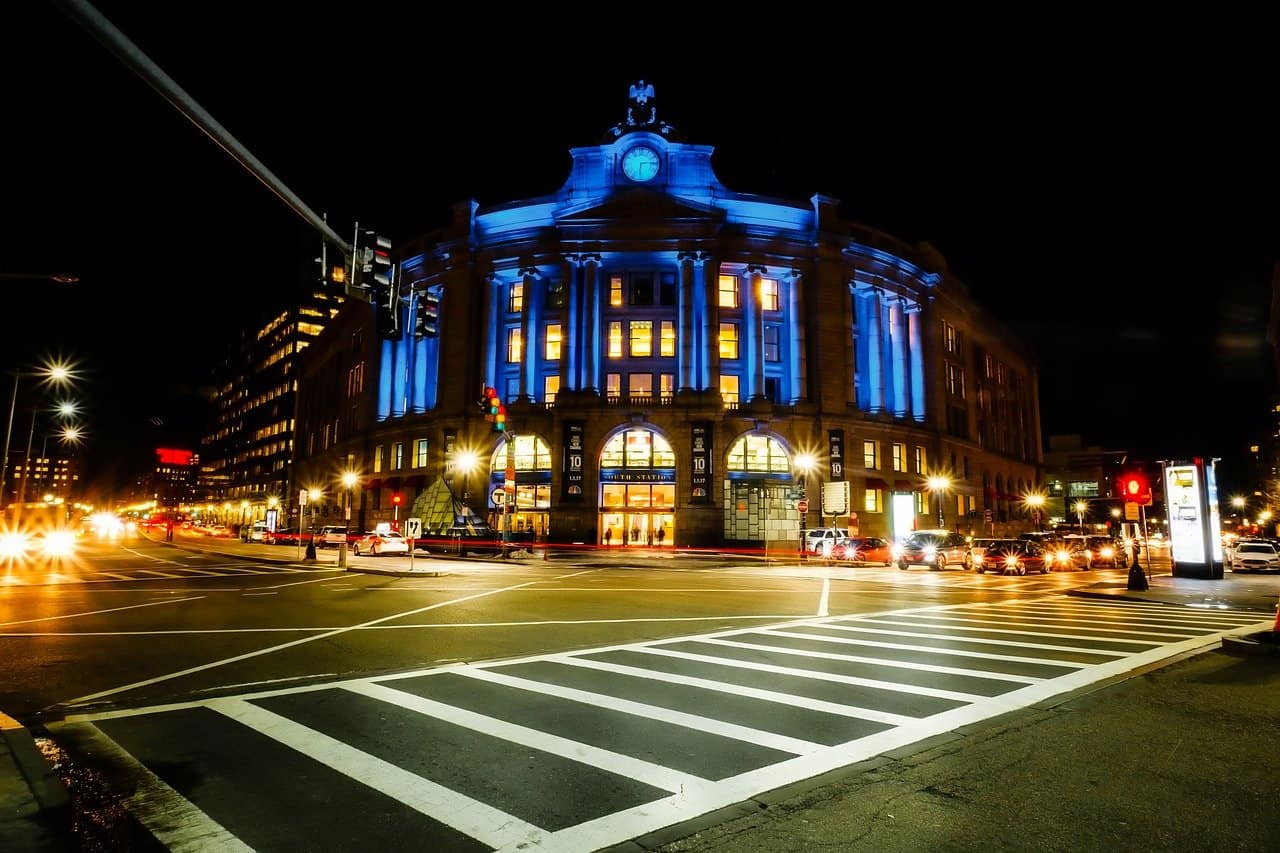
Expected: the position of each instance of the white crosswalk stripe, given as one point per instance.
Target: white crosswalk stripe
(699, 722)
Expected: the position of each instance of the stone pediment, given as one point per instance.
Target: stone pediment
(642, 205)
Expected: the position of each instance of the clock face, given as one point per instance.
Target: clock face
(640, 163)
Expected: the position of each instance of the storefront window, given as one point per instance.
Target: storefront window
(758, 454)
(637, 448)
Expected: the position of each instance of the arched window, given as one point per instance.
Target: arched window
(759, 454)
(532, 454)
(637, 448)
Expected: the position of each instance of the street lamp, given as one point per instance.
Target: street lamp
(53, 373)
(1080, 507)
(349, 480)
(939, 484)
(1035, 503)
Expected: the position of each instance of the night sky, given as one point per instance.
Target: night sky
(1116, 209)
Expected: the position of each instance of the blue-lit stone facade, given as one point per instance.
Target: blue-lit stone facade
(677, 357)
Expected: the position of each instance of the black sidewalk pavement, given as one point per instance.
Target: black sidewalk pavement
(1182, 756)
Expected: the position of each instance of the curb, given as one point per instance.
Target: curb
(47, 788)
(1261, 644)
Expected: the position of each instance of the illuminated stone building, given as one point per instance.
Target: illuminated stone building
(679, 361)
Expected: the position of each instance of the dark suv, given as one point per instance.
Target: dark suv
(936, 549)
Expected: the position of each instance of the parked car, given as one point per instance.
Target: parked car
(379, 543)
(822, 540)
(976, 549)
(936, 549)
(257, 532)
(1255, 556)
(1013, 556)
(863, 549)
(331, 536)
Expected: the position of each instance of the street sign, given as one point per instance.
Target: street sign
(835, 498)
(802, 506)
(986, 515)
(1132, 511)
(412, 528)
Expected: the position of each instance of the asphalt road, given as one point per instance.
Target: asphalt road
(568, 704)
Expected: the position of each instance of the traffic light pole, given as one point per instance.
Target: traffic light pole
(1137, 577)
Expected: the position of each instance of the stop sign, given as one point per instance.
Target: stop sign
(802, 505)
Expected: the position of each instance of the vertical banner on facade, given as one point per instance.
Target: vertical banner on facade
(450, 444)
(573, 457)
(835, 453)
(700, 463)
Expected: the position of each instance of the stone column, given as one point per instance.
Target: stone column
(798, 386)
(875, 347)
(753, 323)
(493, 330)
(570, 350)
(530, 355)
(916, 347)
(591, 323)
(706, 270)
(685, 379)
(898, 338)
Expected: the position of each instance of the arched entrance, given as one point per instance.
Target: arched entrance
(759, 492)
(637, 490)
(532, 471)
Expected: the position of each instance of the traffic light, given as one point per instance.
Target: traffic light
(495, 412)
(1134, 488)
(377, 277)
(375, 266)
(426, 322)
(397, 499)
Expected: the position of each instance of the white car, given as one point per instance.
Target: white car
(1255, 557)
(376, 544)
(823, 539)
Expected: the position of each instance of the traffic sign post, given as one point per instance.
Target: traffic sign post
(412, 530)
(802, 506)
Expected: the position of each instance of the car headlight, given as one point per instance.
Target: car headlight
(930, 552)
(13, 545)
(59, 543)
(1107, 553)
(1064, 556)
(896, 551)
(1011, 561)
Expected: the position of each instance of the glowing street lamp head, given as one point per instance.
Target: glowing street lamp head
(71, 434)
(1081, 506)
(1035, 501)
(67, 408)
(1237, 502)
(938, 483)
(466, 461)
(314, 494)
(806, 461)
(350, 478)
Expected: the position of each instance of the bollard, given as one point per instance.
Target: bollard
(342, 555)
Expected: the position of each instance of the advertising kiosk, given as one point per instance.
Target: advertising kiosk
(1191, 505)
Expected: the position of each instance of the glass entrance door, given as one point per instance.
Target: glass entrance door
(637, 529)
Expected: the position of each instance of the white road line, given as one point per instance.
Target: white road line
(1034, 623)
(300, 583)
(1017, 644)
(944, 651)
(788, 699)
(826, 596)
(99, 612)
(472, 817)
(170, 817)
(847, 679)
(149, 557)
(649, 712)
(1156, 614)
(655, 775)
(258, 653)
(165, 575)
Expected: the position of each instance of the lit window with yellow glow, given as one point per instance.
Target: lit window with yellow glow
(667, 346)
(615, 291)
(758, 453)
(870, 454)
(728, 291)
(728, 340)
(728, 388)
(515, 302)
(514, 346)
(900, 457)
(640, 384)
(667, 386)
(769, 294)
(922, 462)
(379, 455)
(641, 338)
(615, 339)
(871, 500)
(550, 388)
(613, 385)
(553, 342)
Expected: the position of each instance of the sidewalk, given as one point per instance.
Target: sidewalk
(33, 802)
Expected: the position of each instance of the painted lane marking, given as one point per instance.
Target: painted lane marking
(782, 743)
(837, 678)
(953, 638)
(471, 817)
(948, 652)
(273, 649)
(981, 625)
(149, 557)
(99, 612)
(654, 775)
(825, 598)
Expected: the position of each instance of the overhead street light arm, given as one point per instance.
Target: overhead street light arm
(129, 53)
(59, 277)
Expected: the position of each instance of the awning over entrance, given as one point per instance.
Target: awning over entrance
(906, 486)
(374, 484)
(873, 483)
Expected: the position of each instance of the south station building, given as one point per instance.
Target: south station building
(679, 362)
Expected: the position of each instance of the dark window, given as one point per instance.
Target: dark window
(555, 294)
(772, 349)
(771, 389)
(667, 292)
(642, 288)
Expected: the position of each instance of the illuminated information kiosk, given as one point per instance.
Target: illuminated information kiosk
(1191, 504)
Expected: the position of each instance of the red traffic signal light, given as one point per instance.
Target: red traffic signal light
(495, 412)
(397, 499)
(1134, 488)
